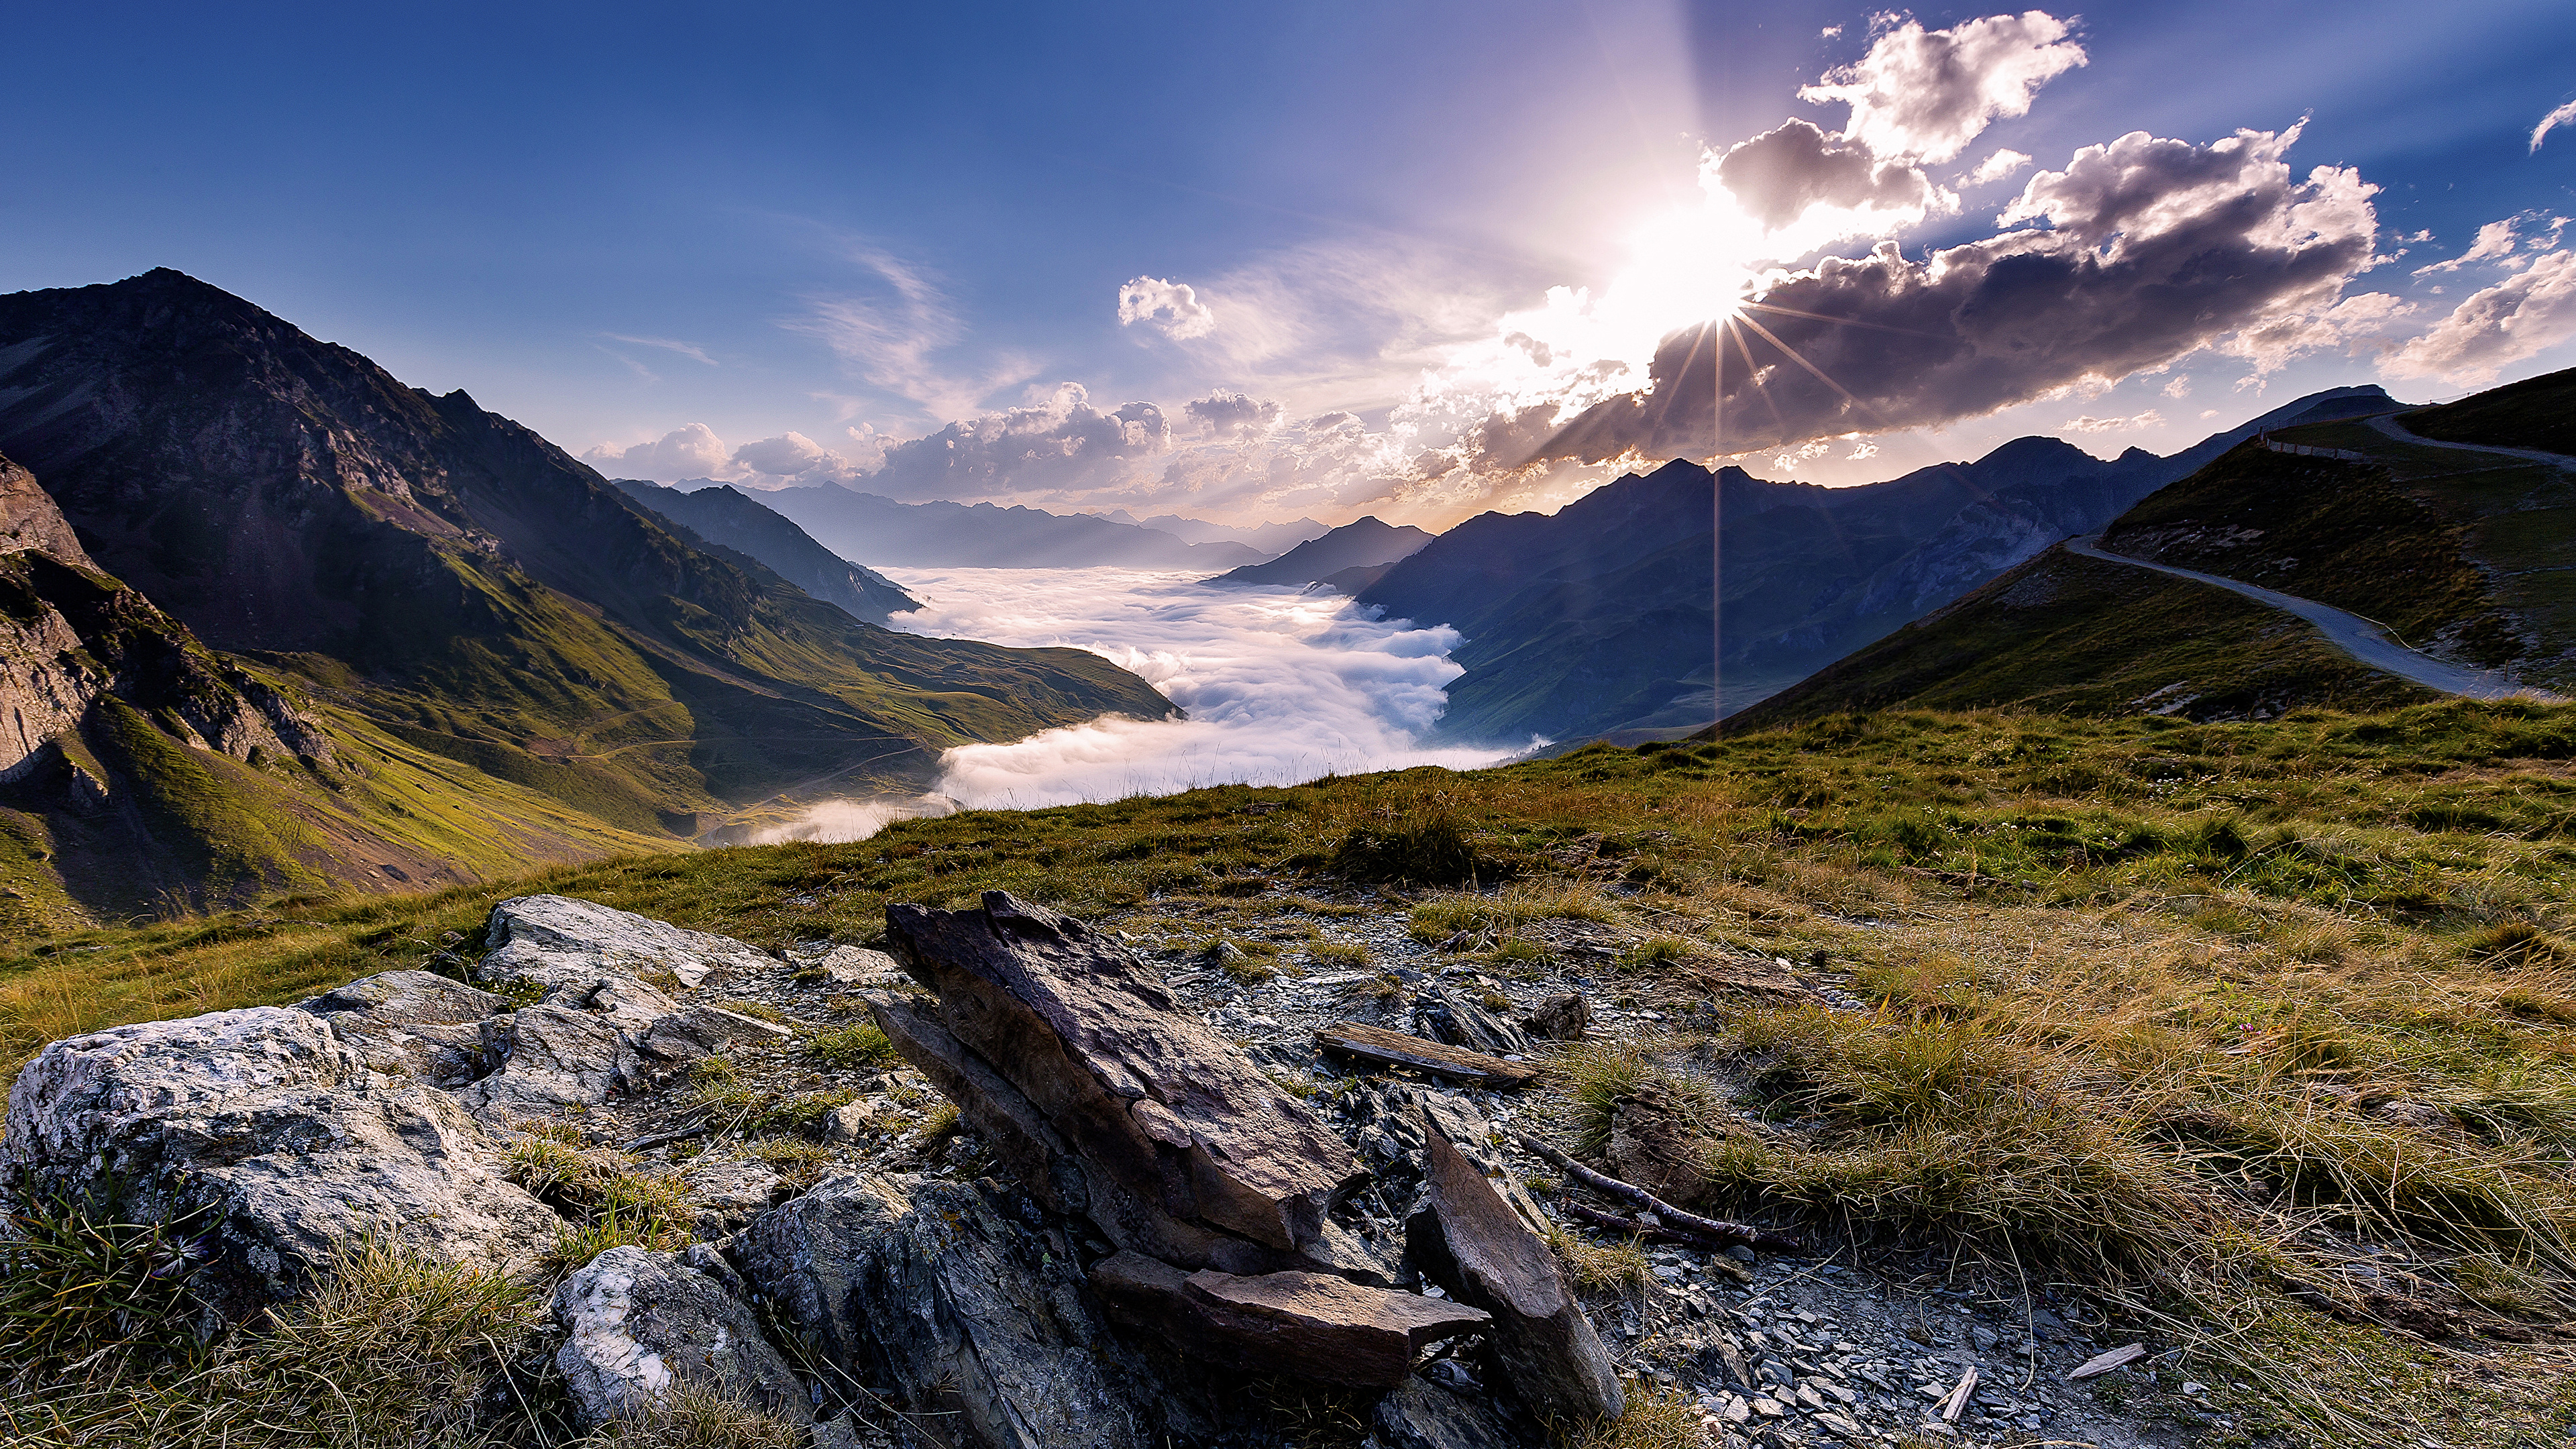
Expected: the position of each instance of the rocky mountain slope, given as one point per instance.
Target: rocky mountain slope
(2458, 553)
(1630, 609)
(726, 521)
(456, 596)
(865, 528)
(1350, 557)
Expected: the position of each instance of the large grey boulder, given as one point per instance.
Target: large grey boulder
(546, 942)
(412, 1023)
(637, 1323)
(552, 1058)
(931, 1298)
(270, 1134)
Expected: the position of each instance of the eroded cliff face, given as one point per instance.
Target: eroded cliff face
(29, 518)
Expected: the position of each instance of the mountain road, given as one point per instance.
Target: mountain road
(2365, 641)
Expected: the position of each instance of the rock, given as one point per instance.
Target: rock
(270, 1131)
(930, 1298)
(1461, 1023)
(1306, 1325)
(728, 1192)
(2421, 1115)
(551, 1058)
(1472, 1243)
(699, 1031)
(1139, 1089)
(412, 1023)
(1563, 1017)
(1380, 1047)
(547, 942)
(1420, 1416)
(639, 1322)
(848, 965)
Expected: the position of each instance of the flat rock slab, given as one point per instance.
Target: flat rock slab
(412, 1024)
(1309, 1325)
(1423, 1416)
(1471, 1242)
(557, 941)
(1132, 1082)
(1379, 1047)
(637, 1324)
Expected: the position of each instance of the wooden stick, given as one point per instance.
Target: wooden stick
(1656, 1232)
(1672, 1216)
(1958, 1400)
(1381, 1047)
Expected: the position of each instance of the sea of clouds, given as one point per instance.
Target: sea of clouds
(1278, 686)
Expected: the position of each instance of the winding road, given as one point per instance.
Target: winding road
(2349, 632)
(2387, 424)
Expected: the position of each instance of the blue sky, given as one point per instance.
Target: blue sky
(792, 240)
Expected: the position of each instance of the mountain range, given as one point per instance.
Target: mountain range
(1348, 558)
(867, 529)
(731, 524)
(326, 627)
(1268, 538)
(1631, 611)
(2456, 554)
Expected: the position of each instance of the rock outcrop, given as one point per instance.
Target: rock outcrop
(272, 1139)
(636, 1323)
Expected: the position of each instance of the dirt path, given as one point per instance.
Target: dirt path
(2387, 424)
(2349, 632)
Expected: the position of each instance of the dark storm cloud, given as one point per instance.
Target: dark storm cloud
(1780, 174)
(2147, 250)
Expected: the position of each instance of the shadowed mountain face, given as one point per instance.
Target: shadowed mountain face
(865, 528)
(1632, 610)
(729, 523)
(1365, 545)
(451, 580)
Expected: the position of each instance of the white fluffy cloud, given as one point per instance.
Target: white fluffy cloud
(1927, 94)
(2495, 241)
(1229, 414)
(1059, 442)
(1171, 308)
(2003, 163)
(1795, 177)
(1279, 686)
(693, 451)
(2514, 319)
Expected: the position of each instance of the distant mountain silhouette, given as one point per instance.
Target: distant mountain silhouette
(1361, 545)
(731, 522)
(1626, 610)
(867, 529)
(1269, 538)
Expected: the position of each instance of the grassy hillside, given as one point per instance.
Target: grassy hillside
(2155, 1009)
(2075, 635)
(2538, 412)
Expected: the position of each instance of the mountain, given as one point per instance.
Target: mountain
(1629, 610)
(865, 528)
(2457, 553)
(1269, 538)
(510, 659)
(732, 525)
(1366, 544)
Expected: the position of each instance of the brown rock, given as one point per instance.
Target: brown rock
(1380, 1047)
(1562, 1017)
(1469, 1241)
(1136, 1087)
(1308, 1325)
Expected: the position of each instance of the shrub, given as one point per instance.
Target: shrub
(1416, 848)
(857, 1047)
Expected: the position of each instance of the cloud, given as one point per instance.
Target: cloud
(693, 451)
(2564, 116)
(1998, 166)
(2514, 319)
(2148, 419)
(1171, 308)
(1783, 175)
(685, 349)
(1225, 414)
(2148, 250)
(1061, 442)
(836, 822)
(891, 332)
(2495, 240)
(1927, 94)
(1279, 686)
